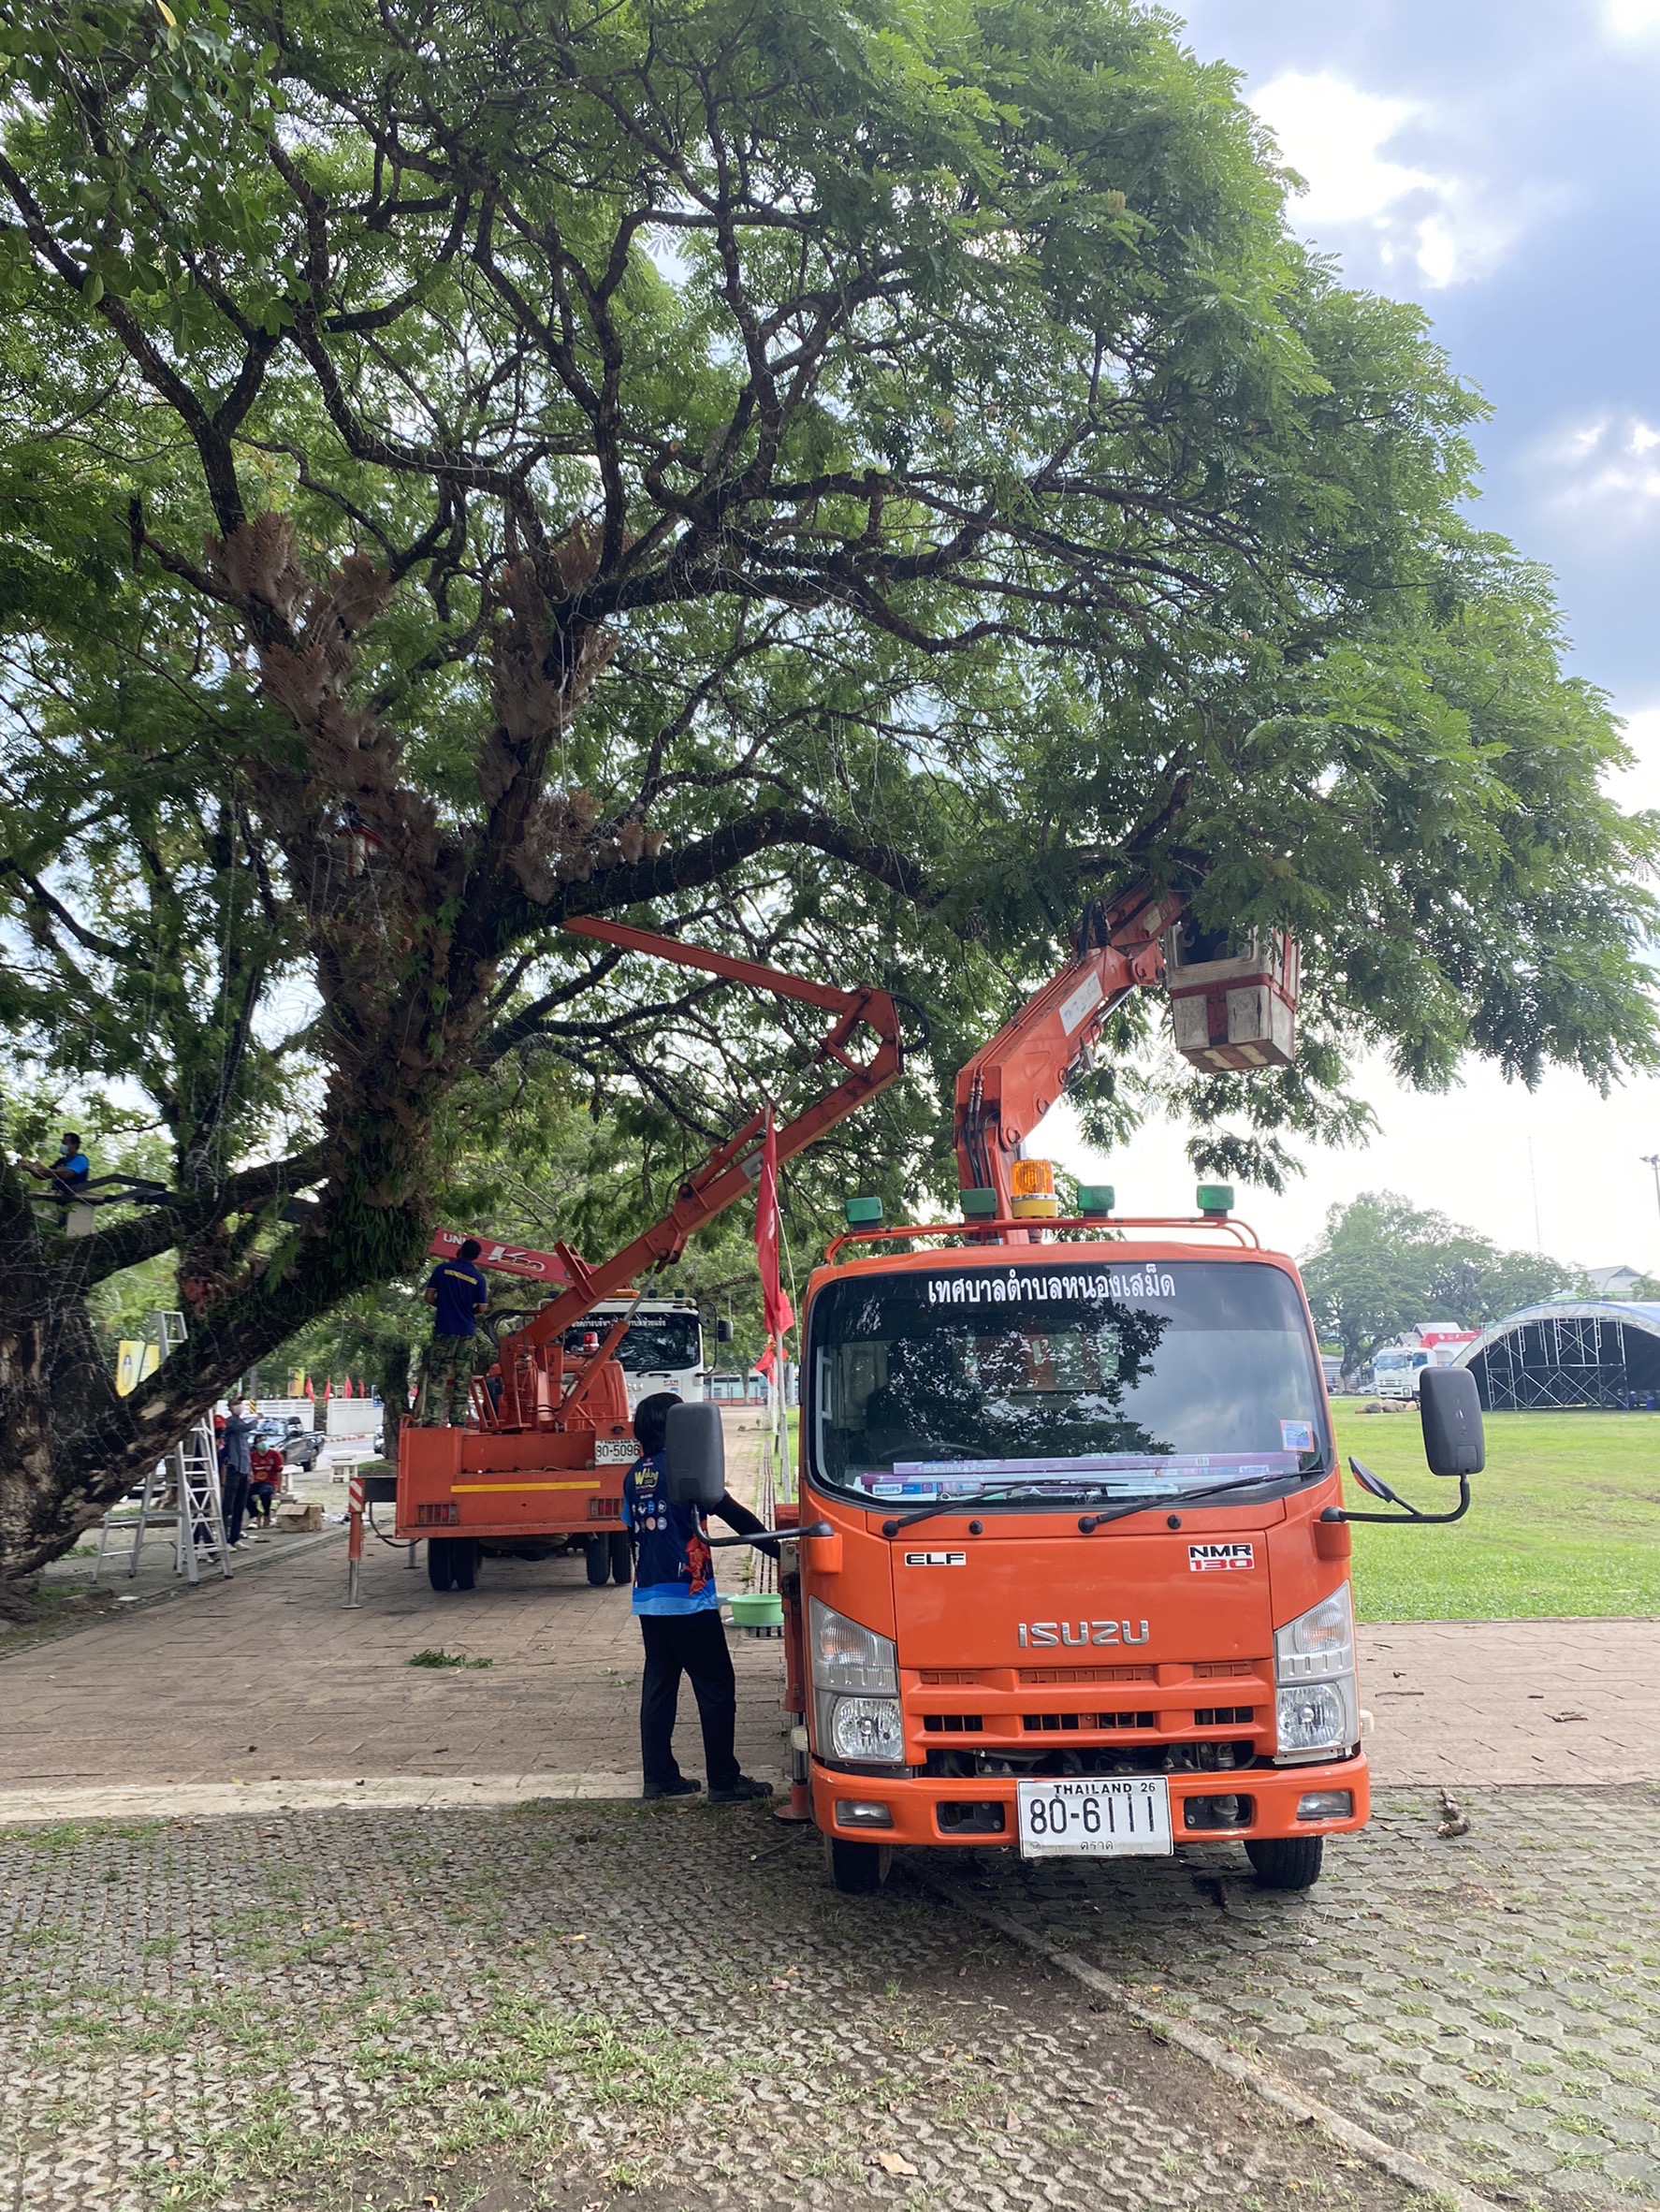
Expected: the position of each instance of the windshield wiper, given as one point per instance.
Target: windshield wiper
(1090, 1523)
(961, 1504)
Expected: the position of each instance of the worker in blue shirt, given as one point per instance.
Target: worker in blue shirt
(458, 1294)
(69, 1174)
(679, 1610)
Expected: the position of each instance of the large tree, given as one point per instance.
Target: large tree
(856, 480)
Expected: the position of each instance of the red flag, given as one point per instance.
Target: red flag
(327, 1391)
(309, 1392)
(347, 1387)
(775, 1300)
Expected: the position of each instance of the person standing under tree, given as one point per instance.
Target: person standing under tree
(679, 1610)
(239, 1465)
(458, 1294)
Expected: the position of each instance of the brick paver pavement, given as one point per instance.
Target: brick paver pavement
(639, 2006)
(1491, 2000)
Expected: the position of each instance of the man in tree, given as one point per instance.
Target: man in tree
(68, 1174)
(458, 1294)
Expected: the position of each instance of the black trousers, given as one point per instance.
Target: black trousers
(691, 1644)
(233, 1503)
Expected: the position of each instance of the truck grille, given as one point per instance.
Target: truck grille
(1049, 1724)
(953, 1723)
(1210, 1757)
(1063, 1678)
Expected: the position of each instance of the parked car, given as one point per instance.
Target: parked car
(303, 1449)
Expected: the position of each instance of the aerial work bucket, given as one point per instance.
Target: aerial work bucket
(1234, 999)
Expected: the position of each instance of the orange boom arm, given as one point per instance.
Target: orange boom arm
(731, 1170)
(1009, 1084)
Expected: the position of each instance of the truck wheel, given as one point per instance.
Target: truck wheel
(623, 1557)
(1287, 1862)
(857, 1869)
(441, 1561)
(464, 1562)
(599, 1559)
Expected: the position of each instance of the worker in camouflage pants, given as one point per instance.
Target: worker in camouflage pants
(458, 1294)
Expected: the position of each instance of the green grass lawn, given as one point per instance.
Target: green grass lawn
(1565, 1519)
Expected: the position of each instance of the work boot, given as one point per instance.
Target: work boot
(741, 1792)
(682, 1788)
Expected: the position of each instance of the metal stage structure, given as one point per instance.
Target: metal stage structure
(1569, 1356)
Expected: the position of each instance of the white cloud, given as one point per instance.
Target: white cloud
(1632, 19)
(1640, 784)
(1606, 474)
(1333, 134)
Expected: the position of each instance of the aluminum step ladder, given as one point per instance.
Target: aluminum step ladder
(180, 1492)
(180, 1495)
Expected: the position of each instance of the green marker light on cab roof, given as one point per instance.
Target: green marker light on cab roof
(1215, 1198)
(864, 1212)
(1096, 1200)
(978, 1205)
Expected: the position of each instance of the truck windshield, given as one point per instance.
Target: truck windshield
(1386, 1362)
(1061, 1377)
(656, 1344)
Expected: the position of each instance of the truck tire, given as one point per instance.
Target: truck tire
(465, 1555)
(599, 1559)
(857, 1869)
(623, 1557)
(441, 1563)
(1287, 1862)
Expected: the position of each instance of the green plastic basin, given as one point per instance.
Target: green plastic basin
(757, 1608)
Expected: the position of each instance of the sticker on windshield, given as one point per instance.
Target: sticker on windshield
(1296, 1435)
(1025, 1285)
(1210, 1559)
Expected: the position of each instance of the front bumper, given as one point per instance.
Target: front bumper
(914, 1803)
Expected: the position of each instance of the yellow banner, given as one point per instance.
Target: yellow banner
(134, 1361)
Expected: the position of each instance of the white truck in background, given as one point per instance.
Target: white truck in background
(662, 1351)
(1395, 1369)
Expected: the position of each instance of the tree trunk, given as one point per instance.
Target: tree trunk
(70, 1448)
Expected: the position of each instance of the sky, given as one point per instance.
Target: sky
(1498, 162)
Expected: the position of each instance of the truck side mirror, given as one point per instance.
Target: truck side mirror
(722, 1330)
(1449, 1408)
(695, 1455)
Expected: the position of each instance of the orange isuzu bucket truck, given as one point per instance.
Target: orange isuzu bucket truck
(1073, 1573)
(539, 1466)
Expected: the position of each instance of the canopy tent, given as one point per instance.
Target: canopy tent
(1568, 1354)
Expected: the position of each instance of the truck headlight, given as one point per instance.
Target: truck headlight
(1317, 1711)
(855, 1690)
(845, 1656)
(866, 1730)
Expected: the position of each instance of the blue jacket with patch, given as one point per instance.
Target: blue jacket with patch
(674, 1568)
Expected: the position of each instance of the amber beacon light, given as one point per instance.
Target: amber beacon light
(1031, 1191)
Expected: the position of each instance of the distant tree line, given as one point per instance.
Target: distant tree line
(1383, 1265)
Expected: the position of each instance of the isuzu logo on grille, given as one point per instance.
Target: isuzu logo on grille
(1037, 1635)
